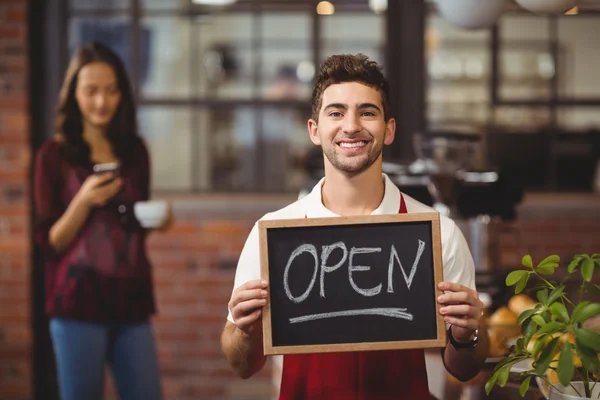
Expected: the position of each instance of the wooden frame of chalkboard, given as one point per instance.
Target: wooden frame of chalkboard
(374, 321)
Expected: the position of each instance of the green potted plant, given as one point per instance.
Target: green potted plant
(553, 339)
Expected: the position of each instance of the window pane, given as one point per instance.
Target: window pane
(165, 4)
(167, 132)
(225, 55)
(579, 56)
(286, 57)
(579, 118)
(286, 144)
(229, 150)
(165, 57)
(99, 4)
(521, 119)
(458, 68)
(112, 31)
(354, 33)
(526, 64)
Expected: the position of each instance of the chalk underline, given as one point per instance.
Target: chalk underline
(385, 312)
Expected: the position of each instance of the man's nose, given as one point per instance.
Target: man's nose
(351, 124)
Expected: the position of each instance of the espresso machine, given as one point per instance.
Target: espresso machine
(448, 175)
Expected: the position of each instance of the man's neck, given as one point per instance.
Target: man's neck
(357, 195)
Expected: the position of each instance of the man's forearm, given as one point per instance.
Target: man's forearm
(465, 364)
(244, 353)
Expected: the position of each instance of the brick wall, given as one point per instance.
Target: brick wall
(15, 334)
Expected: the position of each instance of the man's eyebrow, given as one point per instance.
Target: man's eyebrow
(335, 105)
(368, 105)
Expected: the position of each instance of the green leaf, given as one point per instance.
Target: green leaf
(551, 327)
(585, 310)
(559, 311)
(572, 265)
(528, 328)
(503, 374)
(587, 269)
(591, 288)
(527, 262)
(524, 386)
(547, 269)
(542, 296)
(589, 357)
(489, 385)
(539, 345)
(588, 338)
(521, 285)
(543, 361)
(525, 314)
(554, 259)
(515, 277)
(566, 368)
(555, 294)
(538, 319)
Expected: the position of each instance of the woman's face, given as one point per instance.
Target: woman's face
(97, 94)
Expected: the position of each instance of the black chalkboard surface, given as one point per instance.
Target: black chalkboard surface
(352, 283)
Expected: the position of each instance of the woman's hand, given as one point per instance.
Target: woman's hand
(97, 190)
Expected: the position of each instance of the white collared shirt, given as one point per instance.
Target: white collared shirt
(456, 257)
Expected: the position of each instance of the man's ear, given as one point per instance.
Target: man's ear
(390, 131)
(313, 132)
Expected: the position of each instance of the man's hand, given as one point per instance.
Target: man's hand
(461, 308)
(246, 305)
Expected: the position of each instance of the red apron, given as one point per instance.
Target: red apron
(371, 375)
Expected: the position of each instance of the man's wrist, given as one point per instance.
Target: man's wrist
(463, 344)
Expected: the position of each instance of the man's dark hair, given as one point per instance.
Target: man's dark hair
(350, 68)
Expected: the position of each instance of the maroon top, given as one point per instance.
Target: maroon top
(104, 275)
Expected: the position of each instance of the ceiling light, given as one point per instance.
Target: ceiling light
(214, 2)
(325, 8)
(378, 6)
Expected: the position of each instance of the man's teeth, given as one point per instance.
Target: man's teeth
(353, 145)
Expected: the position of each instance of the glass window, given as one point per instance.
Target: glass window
(458, 71)
(168, 135)
(579, 55)
(579, 118)
(521, 119)
(526, 65)
(225, 54)
(112, 31)
(286, 141)
(165, 57)
(164, 4)
(351, 33)
(99, 4)
(286, 57)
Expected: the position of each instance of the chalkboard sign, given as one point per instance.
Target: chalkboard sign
(352, 283)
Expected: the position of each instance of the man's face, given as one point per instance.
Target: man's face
(351, 128)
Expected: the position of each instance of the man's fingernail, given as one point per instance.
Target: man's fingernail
(264, 283)
(440, 298)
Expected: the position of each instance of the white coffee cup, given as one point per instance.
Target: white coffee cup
(152, 213)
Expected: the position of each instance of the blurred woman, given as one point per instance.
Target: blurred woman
(99, 291)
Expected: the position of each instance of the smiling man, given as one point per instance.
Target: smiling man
(351, 123)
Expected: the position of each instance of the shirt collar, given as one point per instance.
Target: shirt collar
(389, 205)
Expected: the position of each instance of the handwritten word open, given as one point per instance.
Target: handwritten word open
(321, 268)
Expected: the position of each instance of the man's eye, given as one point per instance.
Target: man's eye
(369, 114)
(335, 114)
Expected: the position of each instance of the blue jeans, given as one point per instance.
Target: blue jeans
(83, 349)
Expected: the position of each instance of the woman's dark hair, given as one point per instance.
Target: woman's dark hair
(122, 130)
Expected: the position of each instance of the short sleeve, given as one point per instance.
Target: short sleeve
(458, 262)
(248, 268)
